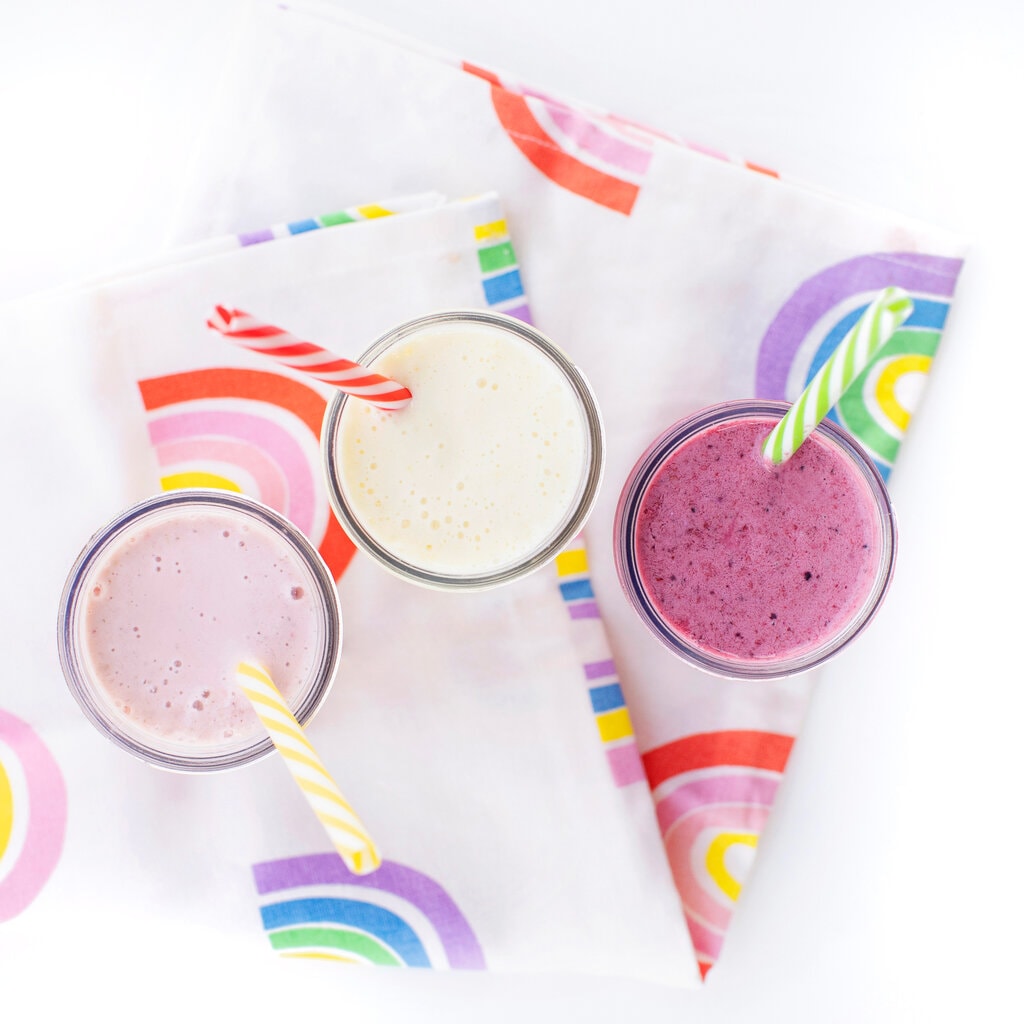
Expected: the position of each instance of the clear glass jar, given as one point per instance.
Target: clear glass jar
(753, 587)
(488, 472)
(185, 576)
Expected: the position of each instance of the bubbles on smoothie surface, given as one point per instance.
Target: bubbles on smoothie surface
(157, 640)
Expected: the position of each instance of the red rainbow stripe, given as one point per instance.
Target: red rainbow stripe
(260, 386)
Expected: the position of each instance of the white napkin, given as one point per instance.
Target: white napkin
(517, 830)
(676, 277)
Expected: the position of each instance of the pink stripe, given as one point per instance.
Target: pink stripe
(741, 787)
(592, 139)
(707, 152)
(625, 764)
(706, 942)
(270, 481)
(697, 890)
(46, 812)
(274, 439)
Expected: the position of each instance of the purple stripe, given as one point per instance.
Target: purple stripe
(255, 237)
(584, 610)
(599, 669)
(460, 944)
(520, 313)
(916, 272)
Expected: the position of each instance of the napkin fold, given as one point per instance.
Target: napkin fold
(675, 276)
(483, 737)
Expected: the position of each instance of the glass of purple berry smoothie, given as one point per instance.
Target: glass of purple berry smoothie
(744, 568)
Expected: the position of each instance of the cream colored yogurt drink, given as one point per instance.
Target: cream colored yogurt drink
(490, 469)
(165, 601)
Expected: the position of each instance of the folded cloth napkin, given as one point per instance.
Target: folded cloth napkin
(676, 276)
(508, 801)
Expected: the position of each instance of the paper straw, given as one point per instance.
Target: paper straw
(883, 317)
(350, 377)
(346, 831)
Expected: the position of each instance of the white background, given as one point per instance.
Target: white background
(889, 885)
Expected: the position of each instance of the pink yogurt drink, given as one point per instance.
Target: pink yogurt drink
(166, 600)
(744, 568)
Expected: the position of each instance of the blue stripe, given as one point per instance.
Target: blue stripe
(368, 917)
(502, 287)
(296, 227)
(606, 698)
(576, 589)
(926, 314)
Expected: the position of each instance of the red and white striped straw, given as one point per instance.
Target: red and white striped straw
(350, 377)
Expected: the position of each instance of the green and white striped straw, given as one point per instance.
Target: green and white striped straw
(887, 312)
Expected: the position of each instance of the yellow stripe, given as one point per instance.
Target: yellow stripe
(324, 956)
(568, 563)
(365, 861)
(715, 860)
(315, 789)
(177, 481)
(248, 669)
(885, 388)
(614, 725)
(286, 731)
(6, 810)
(339, 824)
(372, 210)
(311, 762)
(495, 229)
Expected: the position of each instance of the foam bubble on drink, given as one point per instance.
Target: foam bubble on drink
(481, 467)
(176, 603)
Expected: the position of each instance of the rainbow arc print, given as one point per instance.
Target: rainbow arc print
(878, 406)
(594, 155)
(713, 793)
(314, 907)
(252, 431)
(33, 815)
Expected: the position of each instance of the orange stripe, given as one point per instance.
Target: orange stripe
(544, 153)
(742, 747)
(762, 170)
(487, 76)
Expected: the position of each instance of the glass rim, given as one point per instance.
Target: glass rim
(571, 524)
(173, 756)
(627, 511)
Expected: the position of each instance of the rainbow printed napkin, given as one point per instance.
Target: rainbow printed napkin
(484, 737)
(719, 277)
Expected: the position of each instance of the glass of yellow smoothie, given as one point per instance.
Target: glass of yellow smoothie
(487, 473)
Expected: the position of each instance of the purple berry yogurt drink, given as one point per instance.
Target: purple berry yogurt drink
(748, 569)
(165, 601)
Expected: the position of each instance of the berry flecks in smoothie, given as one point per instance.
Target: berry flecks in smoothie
(753, 561)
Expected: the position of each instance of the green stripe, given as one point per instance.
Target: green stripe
(913, 341)
(321, 937)
(494, 257)
(336, 218)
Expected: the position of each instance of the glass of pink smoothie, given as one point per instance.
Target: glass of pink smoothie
(162, 604)
(746, 569)
(487, 473)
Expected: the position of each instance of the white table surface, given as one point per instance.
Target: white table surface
(888, 887)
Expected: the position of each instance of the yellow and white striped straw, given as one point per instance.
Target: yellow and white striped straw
(880, 321)
(346, 831)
